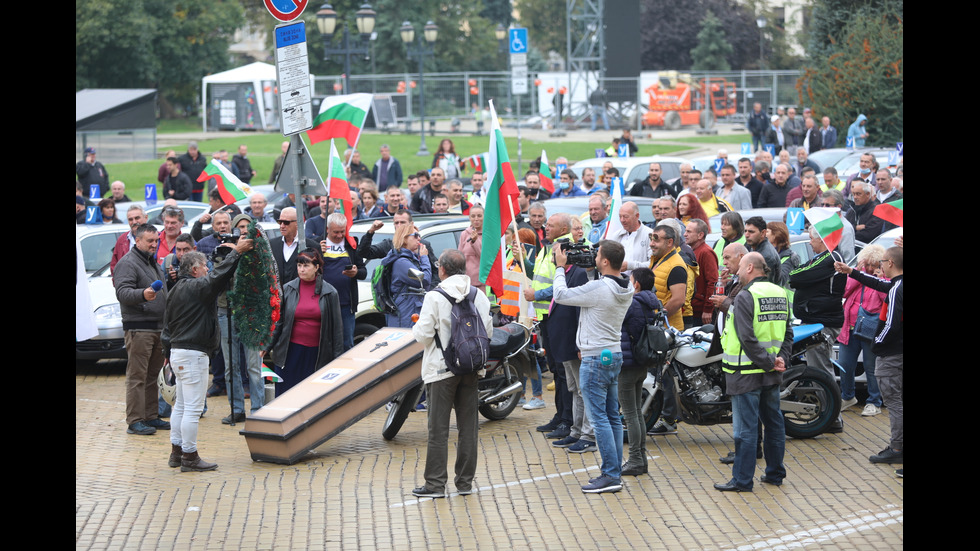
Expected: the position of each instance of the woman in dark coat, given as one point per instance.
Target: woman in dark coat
(310, 332)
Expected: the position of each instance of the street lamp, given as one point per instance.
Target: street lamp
(420, 51)
(326, 22)
(761, 23)
(501, 33)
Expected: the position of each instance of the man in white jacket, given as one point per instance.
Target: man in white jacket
(444, 390)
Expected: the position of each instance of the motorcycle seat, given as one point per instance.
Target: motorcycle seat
(801, 332)
(507, 339)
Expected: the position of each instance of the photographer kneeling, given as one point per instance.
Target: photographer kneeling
(603, 303)
(190, 337)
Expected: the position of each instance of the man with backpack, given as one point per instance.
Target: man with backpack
(451, 369)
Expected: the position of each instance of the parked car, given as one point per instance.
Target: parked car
(632, 169)
(108, 318)
(97, 242)
(577, 206)
(441, 231)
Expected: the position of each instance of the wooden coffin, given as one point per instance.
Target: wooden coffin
(340, 394)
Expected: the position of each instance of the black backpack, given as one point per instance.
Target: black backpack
(469, 346)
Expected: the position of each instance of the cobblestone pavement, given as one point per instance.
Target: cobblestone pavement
(353, 491)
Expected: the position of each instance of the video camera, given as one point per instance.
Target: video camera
(579, 254)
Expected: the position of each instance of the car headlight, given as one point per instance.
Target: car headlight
(109, 312)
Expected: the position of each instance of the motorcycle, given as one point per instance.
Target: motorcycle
(499, 390)
(809, 397)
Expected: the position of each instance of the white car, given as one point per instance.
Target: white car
(632, 169)
(108, 319)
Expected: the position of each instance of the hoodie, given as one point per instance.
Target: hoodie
(856, 131)
(603, 303)
(436, 316)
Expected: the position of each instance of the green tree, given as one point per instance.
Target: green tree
(669, 32)
(831, 17)
(545, 23)
(158, 44)
(863, 74)
(712, 50)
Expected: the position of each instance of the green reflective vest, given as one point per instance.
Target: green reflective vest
(544, 277)
(769, 319)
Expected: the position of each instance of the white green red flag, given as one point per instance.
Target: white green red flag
(893, 212)
(547, 179)
(828, 224)
(479, 162)
(268, 373)
(614, 227)
(341, 117)
(231, 188)
(337, 188)
(499, 207)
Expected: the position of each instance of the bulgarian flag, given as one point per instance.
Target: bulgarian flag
(614, 226)
(231, 188)
(341, 117)
(892, 212)
(547, 179)
(828, 224)
(499, 208)
(337, 188)
(479, 162)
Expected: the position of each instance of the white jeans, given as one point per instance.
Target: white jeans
(191, 370)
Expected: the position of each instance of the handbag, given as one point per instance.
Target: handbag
(866, 325)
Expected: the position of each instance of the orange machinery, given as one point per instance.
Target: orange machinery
(678, 99)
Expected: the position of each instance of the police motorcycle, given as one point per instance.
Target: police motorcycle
(499, 390)
(809, 397)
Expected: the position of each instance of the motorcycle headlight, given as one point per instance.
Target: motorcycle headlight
(109, 312)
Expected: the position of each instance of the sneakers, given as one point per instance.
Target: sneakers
(630, 469)
(663, 426)
(239, 418)
(141, 428)
(603, 484)
(549, 426)
(216, 390)
(422, 406)
(535, 403)
(870, 410)
(422, 491)
(888, 455)
(900, 473)
(561, 431)
(848, 403)
(522, 401)
(582, 446)
(565, 442)
(158, 424)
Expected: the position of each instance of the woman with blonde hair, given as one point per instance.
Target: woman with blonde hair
(407, 252)
(861, 308)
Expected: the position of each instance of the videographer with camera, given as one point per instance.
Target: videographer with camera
(190, 336)
(603, 303)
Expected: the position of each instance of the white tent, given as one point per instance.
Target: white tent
(257, 82)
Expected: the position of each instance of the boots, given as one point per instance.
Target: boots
(191, 462)
(175, 453)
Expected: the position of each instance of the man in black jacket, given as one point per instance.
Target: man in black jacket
(758, 124)
(889, 346)
(190, 337)
(285, 247)
(819, 299)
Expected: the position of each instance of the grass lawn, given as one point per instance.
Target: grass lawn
(264, 148)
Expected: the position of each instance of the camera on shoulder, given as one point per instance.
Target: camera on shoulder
(578, 254)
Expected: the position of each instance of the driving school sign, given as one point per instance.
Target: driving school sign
(286, 10)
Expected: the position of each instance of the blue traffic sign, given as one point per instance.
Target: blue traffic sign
(518, 41)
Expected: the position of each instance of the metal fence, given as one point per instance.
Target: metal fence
(451, 95)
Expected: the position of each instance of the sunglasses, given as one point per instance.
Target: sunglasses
(286, 222)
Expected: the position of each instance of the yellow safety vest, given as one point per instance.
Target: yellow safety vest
(769, 319)
(544, 277)
(661, 269)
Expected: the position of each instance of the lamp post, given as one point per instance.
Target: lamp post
(419, 51)
(501, 33)
(761, 23)
(326, 22)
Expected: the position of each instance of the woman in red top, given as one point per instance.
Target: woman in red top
(310, 332)
(857, 297)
